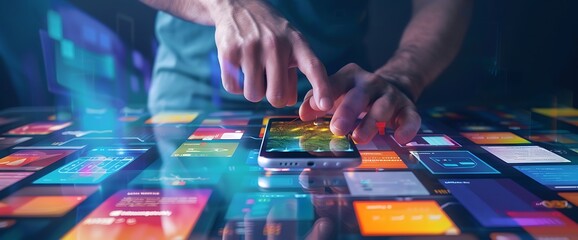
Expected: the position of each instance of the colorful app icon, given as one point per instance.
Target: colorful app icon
(524, 154)
(453, 162)
(225, 122)
(384, 184)
(494, 138)
(399, 218)
(206, 149)
(207, 134)
(430, 140)
(380, 160)
(39, 128)
(172, 118)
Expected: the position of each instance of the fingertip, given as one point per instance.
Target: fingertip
(325, 104)
(405, 133)
(361, 137)
(339, 126)
(408, 124)
(277, 101)
(313, 104)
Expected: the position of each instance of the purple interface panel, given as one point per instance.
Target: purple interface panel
(493, 202)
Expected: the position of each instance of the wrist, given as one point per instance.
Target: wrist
(222, 9)
(405, 71)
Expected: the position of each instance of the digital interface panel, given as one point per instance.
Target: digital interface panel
(380, 160)
(398, 218)
(556, 177)
(453, 162)
(524, 154)
(208, 134)
(39, 128)
(494, 138)
(480, 198)
(225, 122)
(32, 160)
(394, 192)
(206, 149)
(7, 179)
(172, 118)
(46, 201)
(154, 214)
(276, 206)
(384, 184)
(297, 136)
(98, 165)
(7, 142)
(430, 140)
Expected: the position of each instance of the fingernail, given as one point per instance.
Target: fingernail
(341, 124)
(326, 104)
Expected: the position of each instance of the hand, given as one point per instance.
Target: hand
(251, 36)
(359, 91)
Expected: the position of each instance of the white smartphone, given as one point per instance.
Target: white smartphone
(292, 143)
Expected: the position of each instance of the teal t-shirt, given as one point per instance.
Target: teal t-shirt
(186, 72)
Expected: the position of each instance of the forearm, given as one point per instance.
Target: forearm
(429, 43)
(199, 11)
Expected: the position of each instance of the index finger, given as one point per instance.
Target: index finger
(315, 72)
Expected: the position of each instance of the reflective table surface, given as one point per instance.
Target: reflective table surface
(470, 173)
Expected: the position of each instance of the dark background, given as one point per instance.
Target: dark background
(517, 52)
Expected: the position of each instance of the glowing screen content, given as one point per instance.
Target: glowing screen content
(98, 165)
(144, 214)
(297, 136)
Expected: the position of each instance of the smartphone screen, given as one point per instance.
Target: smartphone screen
(93, 168)
(144, 214)
(290, 142)
(298, 136)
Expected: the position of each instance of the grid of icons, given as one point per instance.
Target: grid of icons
(469, 173)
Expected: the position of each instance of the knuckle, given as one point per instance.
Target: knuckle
(271, 42)
(381, 111)
(250, 44)
(227, 51)
(351, 67)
